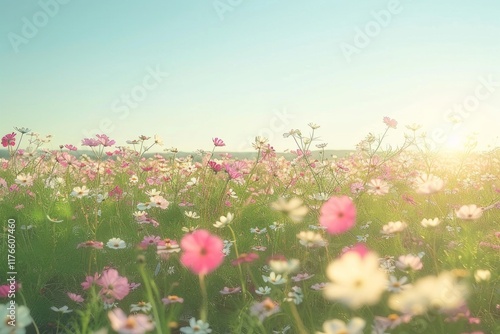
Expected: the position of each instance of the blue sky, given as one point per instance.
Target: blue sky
(193, 70)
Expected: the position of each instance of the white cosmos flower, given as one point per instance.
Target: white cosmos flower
(80, 192)
(336, 326)
(63, 309)
(482, 275)
(116, 243)
(430, 222)
(274, 279)
(393, 227)
(469, 212)
(24, 180)
(378, 187)
(294, 208)
(356, 280)
(224, 220)
(438, 293)
(191, 214)
(428, 184)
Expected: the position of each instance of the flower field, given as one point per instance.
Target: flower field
(119, 239)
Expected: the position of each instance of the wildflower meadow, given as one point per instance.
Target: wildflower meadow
(135, 237)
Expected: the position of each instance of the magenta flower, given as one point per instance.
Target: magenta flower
(9, 139)
(6, 289)
(113, 286)
(338, 215)
(202, 252)
(218, 142)
(215, 166)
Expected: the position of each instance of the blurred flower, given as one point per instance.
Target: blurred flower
(196, 327)
(25, 180)
(141, 307)
(76, 298)
(191, 214)
(428, 184)
(171, 299)
(257, 230)
(274, 279)
(22, 130)
(17, 326)
(409, 261)
(356, 280)
(116, 243)
(430, 222)
(294, 208)
(482, 275)
(393, 227)
(283, 266)
(264, 309)
(338, 215)
(202, 252)
(91, 243)
(228, 291)
(397, 285)
(263, 291)
(469, 212)
(302, 277)
(311, 239)
(438, 293)
(336, 326)
(245, 258)
(392, 123)
(80, 192)
(296, 296)
(63, 309)
(378, 187)
(133, 324)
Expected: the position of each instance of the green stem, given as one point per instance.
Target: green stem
(204, 307)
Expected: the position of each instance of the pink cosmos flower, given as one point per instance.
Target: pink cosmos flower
(105, 141)
(244, 258)
(92, 244)
(90, 142)
(70, 147)
(9, 139)
(76, 298)
(215, 166)
(149, 241)
(228, 291)
(89, 280)
(218, 142)
(392, 123)
(5, 289)
(338, 215)
(172, 300)
(113, 286)
(202, 252)
(133, 324)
